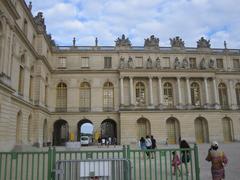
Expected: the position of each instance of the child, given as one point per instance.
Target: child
(175, 162)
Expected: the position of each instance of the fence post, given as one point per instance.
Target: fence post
(124, 152)
(53, 162)
(49, 163)
(128, 152)
(197, 169)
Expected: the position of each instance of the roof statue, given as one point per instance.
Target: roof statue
(96, 41)
(225, 45)
(123, 42)
(203, 43)
(177, 42)
(39, 20)
(30, 6)
(74, 41)
(151, 43)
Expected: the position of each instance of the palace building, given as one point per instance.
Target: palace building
(47, 92)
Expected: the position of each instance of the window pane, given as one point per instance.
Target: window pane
(85, 62)
(107, 62)
(220, 63)
(235, 63)
(168, 95)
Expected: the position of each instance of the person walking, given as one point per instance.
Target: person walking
(218, 159)
(154, 145)
(148, 145)
(142, 144)
(185, 155)
(175, 163)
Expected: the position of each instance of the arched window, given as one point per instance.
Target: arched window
(46, 91)
(61, 97)
(21, 80)
(108, 96)
(29, 135)
(223, 98)
(168, 95)
(140, 94)
(85, 96)
(19, 128)
(31, 84)
(237, 89)
(1, 40)
(25, 27)
(195, 94)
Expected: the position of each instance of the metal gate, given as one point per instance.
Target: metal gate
(99, 169)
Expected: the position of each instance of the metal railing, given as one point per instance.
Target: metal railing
(145, 164)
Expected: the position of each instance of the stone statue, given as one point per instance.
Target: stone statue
(30, 6)
(176, 63)
(96, 41)
(149, 63)
(130, 62)
(39, 20)
(123, 42)
(225, 45)
(177, 42)
(185, 63)
(74, 41)
(158, 63)
(211, 64)
(122, 63)
(203, 43)
(203, 64)
(52, 42)
(151, 42)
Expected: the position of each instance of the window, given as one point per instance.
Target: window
(219, 63)
(25, 27)
(31, 88)
(46, 95)
(61, 104)
(140, 94)
(168, 95)
(139, 62)
(165, 62)
(85, 62)
(236, 64)
(1, 40)
(192, 63)
(195, 94)
(237, 89)
(107, 62)
(62, 62)
(85, 96)
(223, 98)
(21, 80)
(108, 96)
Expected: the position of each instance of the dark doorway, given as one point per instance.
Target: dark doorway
(88, 128)
(109, 129)
(60, 133)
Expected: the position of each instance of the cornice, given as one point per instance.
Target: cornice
(11, 8)
(6, 88)
(81, 71)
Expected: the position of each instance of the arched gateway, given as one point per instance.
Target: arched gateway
(79, 127)
(227, 129)
(144, 127)
(173, 130)
(109, 128)
(201, 130)
(60, 133)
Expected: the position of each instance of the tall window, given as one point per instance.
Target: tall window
(195, 94)
(21, 80)
(108, 96)
(25, 27)
(222, 90)
(62, 62)
(61, 97)
(107, 62)
(85, 96)
(140, 94)
(236, 64)
(192, 63)
(46, 95)
(237, 89)
(1, 40)
(31, 88)
(219, 63)
(165, 62)
(168, 95)
(85, 62)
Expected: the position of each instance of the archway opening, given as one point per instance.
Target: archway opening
(84, 128)
(60, 133)
(144, 127)
(173, 130)
(201, 130)
(227, 129)
(109, 129)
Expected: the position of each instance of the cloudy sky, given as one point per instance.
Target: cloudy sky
(217, 20)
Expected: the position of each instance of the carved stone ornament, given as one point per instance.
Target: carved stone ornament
(39, 20)
(203, 64)
(130, 62)
(177, 42)
(151, 42)
(185, 63)
(158, 63)
(122, 63)
(49, 36)
(149, 63)
(123, 42)
(176, 63)
(203, 43)
(211, 64)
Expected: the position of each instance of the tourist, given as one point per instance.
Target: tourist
(114, 141)
(175, 163)
(142, 144)
(99, 141)
(185, 154)
(218, 159)
(154, 146)
(148, 145)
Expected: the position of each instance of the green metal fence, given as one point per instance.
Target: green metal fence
(41, 165)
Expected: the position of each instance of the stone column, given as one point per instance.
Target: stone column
(160, 92)
(122, 91)
(215, 91)
(150, 92)
(232, 99)
(179, 93)
(131, 91)
(189, 102)
(206, 105)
